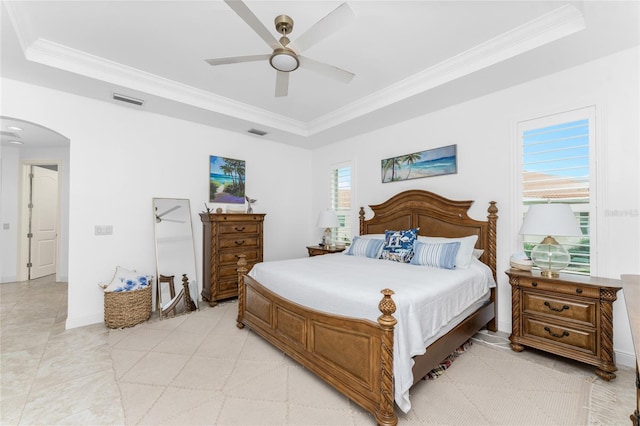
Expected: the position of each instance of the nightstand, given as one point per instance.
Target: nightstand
(320, 250)
(570, 316)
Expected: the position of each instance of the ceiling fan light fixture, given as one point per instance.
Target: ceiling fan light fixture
(284, 60)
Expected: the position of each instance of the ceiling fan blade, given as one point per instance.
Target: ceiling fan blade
(326, 70)
(237, 59)
(333, 22)
(282, 84)
(247, 16)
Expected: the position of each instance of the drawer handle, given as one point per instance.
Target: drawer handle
(239, 243)
(579, 290)
(534, 284)
(548, 305)
(559, 336)
(239, 228)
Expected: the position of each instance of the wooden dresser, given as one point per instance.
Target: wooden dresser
(631, 289)
(571, 316)
(224, 237)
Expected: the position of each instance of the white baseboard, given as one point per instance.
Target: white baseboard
(83, 321)
(625, 358)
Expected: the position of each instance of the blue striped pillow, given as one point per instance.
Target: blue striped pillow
(439, 255)
(365, 247)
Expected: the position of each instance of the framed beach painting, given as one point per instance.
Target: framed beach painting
(226, 180)
(432, 162)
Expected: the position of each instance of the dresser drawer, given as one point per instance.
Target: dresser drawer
(231, 271)
(583, 311)
(231, 257)
(239, 227)
(560, 333)
(239, 241)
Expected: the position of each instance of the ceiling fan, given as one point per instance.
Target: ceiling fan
(159, 216)
(285, 57)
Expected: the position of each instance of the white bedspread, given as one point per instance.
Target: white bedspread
(426, 298)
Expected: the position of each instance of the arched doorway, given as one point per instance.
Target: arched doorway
(34, 158)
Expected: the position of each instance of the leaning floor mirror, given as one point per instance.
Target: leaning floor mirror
(176, 280)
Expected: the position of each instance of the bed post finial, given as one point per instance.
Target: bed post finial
(242, 269)
(361, 215)
(387, 306)
(385, 415)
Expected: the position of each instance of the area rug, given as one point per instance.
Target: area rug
(446, 363)
(489, 386)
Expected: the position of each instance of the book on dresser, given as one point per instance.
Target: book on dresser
(224, 237)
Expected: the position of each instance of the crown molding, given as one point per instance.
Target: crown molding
(552, 26)
(547, 28)
(76, 61)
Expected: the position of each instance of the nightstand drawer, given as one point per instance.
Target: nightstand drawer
(564, 308)
(569, 336)
(572, 289)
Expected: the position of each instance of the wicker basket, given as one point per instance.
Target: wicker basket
(127, 308)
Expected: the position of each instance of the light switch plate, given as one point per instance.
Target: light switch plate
(104, 230)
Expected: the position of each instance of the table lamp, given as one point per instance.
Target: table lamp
(550, 220)
(327, 219)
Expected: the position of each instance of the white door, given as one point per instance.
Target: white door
(44, 222)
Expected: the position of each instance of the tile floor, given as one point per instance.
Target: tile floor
(93, 375)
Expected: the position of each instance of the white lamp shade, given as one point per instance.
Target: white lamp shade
(327, 219)
(550, 219)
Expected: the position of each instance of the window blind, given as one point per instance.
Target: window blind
(556, 168)
(340, 183)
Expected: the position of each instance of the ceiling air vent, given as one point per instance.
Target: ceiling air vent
(9, 134)
(257, 132)
(128, 99)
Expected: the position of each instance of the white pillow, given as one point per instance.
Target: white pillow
(372, 236)
(477, 253)
(465, 253)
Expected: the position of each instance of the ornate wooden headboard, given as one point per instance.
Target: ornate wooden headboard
(436, 216)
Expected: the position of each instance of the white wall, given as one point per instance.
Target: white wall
(120, 158)
(484, 130)
(9, 168)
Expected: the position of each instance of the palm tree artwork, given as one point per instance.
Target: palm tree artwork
(226, 180)
(432, 162)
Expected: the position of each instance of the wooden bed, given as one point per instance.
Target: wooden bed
(355, 356)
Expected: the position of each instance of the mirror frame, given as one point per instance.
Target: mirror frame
(181, 282)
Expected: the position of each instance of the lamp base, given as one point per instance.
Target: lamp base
(550, 274)
(326, 238)
(550, 257)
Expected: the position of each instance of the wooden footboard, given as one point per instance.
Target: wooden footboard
(362, 368)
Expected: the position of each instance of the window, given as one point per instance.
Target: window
(557, 166)
(340, 194)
